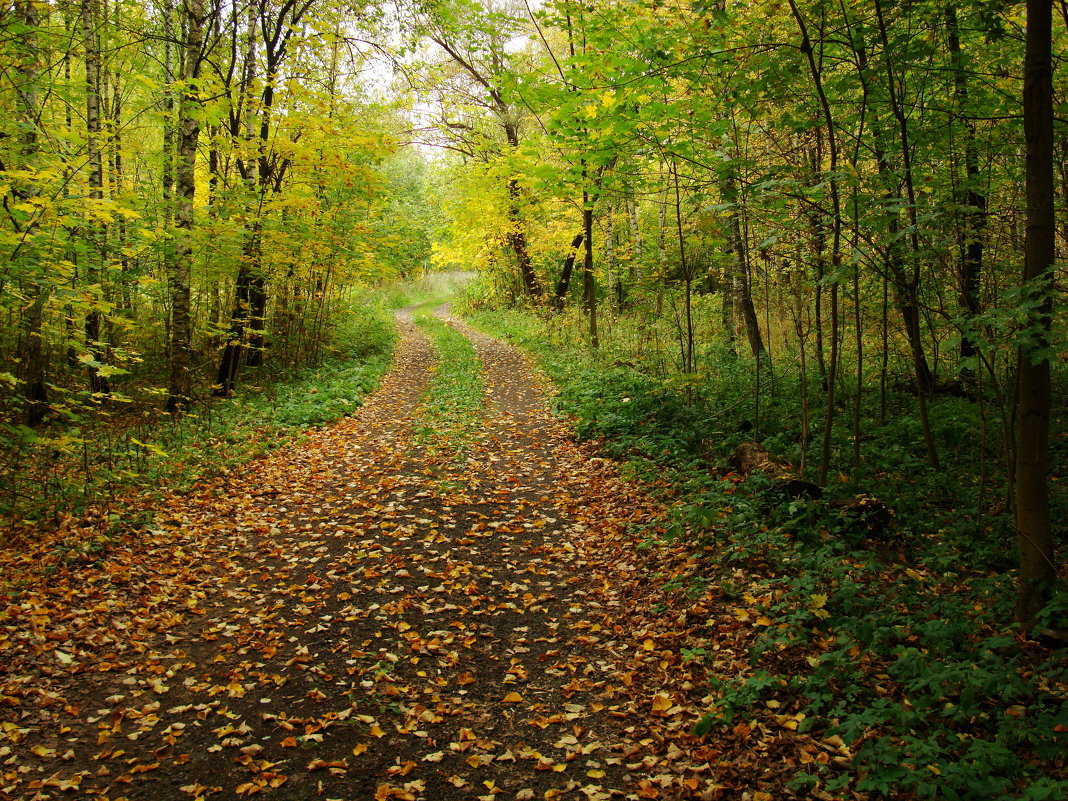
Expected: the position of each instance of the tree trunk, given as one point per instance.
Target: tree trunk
(589, 281)
(34, 362)
(635, 234)
(167, 162)
(687, 275)
(188, 134)
(517, 232)
(98, 384)
(924, 378)
(564, 284)
(743, 292)
(973, 203)
(836, 236)
(1033, 531)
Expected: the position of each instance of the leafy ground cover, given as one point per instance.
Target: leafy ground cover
(893, 642)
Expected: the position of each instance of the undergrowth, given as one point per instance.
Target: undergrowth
(84, 466)
(897, 638)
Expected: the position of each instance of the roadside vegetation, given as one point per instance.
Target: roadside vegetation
(449, 418)
(882, 610)
(93, 460)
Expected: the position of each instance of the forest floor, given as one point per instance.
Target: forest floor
(363, 616)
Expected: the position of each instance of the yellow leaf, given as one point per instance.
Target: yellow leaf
(359, 749)
(661, 703)
(513, 698)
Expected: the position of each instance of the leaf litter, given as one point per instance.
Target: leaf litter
(351, 618)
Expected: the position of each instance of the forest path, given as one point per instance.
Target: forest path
(358, 618)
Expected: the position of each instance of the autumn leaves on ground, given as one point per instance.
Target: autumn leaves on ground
(376, 615)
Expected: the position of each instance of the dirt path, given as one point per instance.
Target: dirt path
(352, 620)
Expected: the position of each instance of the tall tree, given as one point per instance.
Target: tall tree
(263, 169)
(1033, 530)
(476, 39)
(89, 18)
(197, 18)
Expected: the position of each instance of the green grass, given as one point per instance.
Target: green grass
(450, 416)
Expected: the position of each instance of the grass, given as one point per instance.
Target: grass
(450, 416)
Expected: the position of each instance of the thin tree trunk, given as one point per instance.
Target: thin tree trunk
(818, 226)
(234, 346)
(589, 281)
(974, 202)
(615, 285)
(924, 379)
(743, 293)
(635, 234)
(167, 163)
(179, 389)
(33, 363)
(98, 384)
(836, 235)
(564, 284)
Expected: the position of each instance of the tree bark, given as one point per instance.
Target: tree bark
(564, 284)
(98, 384)
(589, 281)
(924, 378)
(264, 175)
(178, 393)
(973, 202)
(743, 291)
(1033, 531)
(34, 361)
(836, 236)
